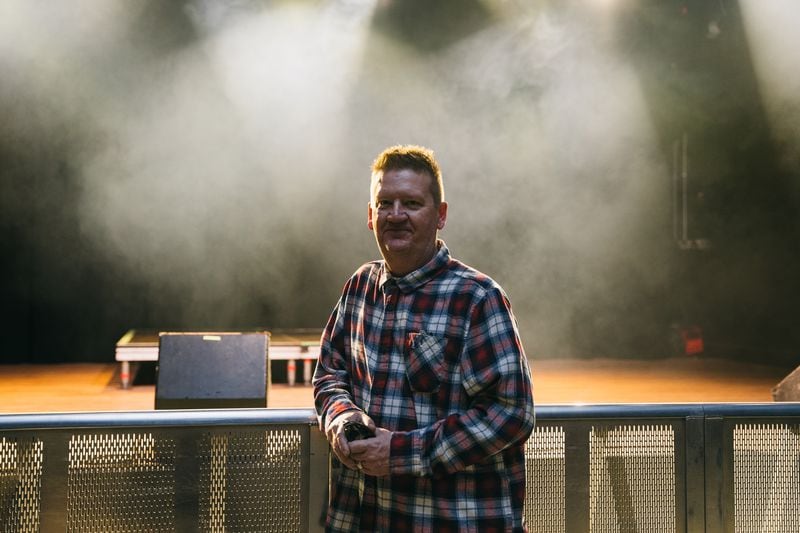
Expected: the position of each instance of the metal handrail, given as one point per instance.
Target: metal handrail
(668, 410)
(242, 417)
(165, 418)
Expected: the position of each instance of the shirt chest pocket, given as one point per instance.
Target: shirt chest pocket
(425, 363)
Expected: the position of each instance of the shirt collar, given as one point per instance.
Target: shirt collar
(419, 277)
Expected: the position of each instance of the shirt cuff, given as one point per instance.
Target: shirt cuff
(404, 455)
(336, 409)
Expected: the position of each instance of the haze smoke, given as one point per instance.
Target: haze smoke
(771, 29)
(222, 151)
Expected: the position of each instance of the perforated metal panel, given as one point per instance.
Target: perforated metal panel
(766, 478)
(632, 479)
(546, 478)
(121, 483)
(251, 481)
(20, 484)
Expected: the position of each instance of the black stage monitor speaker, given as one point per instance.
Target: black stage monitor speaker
(212, 370)
(788, 390)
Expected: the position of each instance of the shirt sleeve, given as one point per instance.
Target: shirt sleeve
(332, 388)
(500, 413)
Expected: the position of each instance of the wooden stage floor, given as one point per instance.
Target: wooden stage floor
(95, 387)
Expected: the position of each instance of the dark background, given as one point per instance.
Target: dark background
(145, 186)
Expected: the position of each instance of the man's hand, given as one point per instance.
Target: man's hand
(372, 455)
(334, 432)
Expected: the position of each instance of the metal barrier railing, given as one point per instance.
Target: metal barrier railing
(213, 470)
(621, 468)
(665, 468)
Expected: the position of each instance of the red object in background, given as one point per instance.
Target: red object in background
(692, 338)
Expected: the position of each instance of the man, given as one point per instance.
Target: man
(423, 350)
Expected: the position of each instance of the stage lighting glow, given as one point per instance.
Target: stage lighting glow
(606, 4)
(237, 157)
(291, 64)
(774, 41)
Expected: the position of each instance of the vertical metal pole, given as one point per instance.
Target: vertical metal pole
(685, 178)
(576, 460)
(715, 481)
(125, 374)
(269, 371)
(318, 475)
(291, 369)
(675, 172)
(695, 479)
(187, 479)
(728, 478)
(54, 504)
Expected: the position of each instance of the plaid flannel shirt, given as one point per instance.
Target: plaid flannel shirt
(435, 357)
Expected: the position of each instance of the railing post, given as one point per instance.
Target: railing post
(715, 482)
(576, 466)
(55, 481)
(695, 478)
(318, 476)
(187, 489)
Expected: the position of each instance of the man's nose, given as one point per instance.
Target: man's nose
(397, 210)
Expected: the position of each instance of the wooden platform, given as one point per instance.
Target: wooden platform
(293, 345)
(95, 387)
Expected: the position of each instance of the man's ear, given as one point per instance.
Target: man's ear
(442, 215)
(369, 216)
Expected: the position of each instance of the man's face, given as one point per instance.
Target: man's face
(404, 218)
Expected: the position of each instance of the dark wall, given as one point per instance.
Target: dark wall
(61, 299)
(740, 284)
